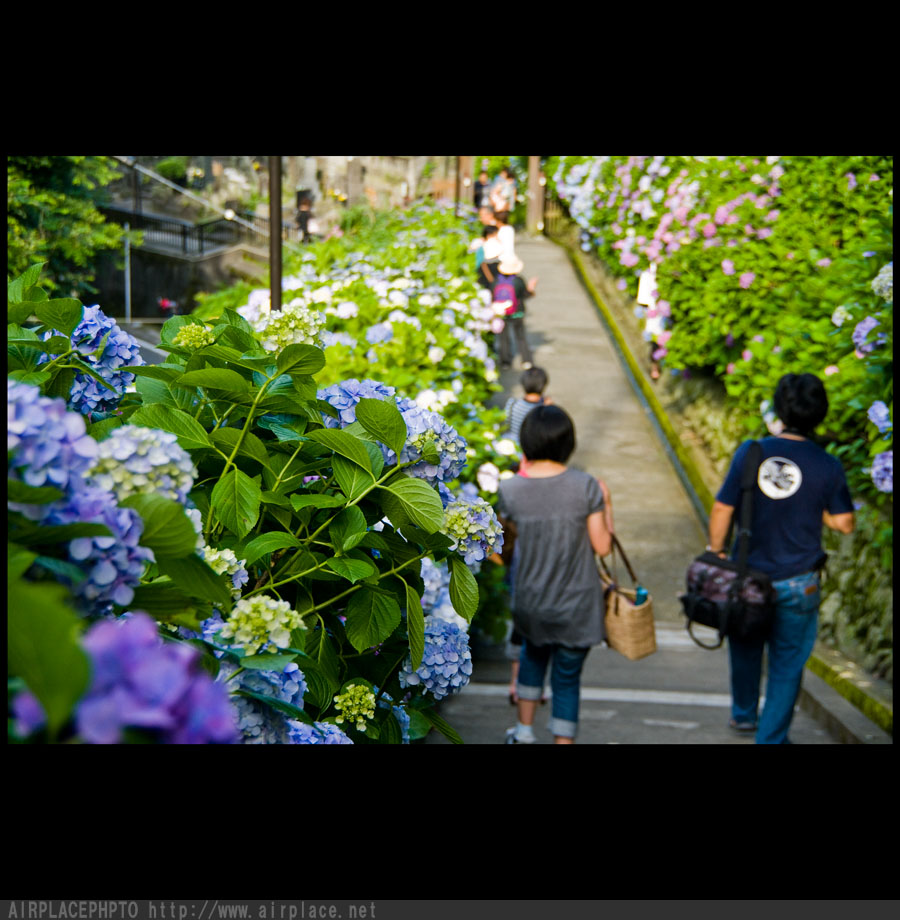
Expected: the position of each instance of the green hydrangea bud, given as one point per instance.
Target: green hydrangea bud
(194, 336)
(259, 623)
(356, 704)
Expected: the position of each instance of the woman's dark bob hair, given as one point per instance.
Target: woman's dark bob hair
(547, 433)
(801, 402)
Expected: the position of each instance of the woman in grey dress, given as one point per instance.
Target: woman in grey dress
(563, 517)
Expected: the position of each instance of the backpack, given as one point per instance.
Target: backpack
(505, 290)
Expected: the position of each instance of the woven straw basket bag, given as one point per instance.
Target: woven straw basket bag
(629, 626)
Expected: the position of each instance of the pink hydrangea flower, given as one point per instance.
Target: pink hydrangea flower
(664, 307)
(772, 215)
(831, 369)
(746, 280)
(709, 230)
(790, 256)
(728, 266)
(762, 234)
(746, 354)
(824, 263)
(874, 178)
(758, 338)
(730, 369)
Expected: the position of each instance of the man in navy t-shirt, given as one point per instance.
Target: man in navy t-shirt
(799, 488)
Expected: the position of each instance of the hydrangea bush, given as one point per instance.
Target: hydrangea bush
(254, 505)
(760, 266)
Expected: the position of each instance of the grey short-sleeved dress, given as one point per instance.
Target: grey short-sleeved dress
(558, 595)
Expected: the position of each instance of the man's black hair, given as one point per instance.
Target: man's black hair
(547, 433)
(801, 402)
(533, 380)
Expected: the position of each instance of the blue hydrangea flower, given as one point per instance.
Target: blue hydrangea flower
(424, 426)
(114, 565)
(880, 416)
(345, 395)
(318, 733)
(140, 681)
(88, 396)
(473, 526)
(47, 444)
(400, 714)
(258, 722)
(380, 332)
(133, 460)
(446, 663)
(882, 471)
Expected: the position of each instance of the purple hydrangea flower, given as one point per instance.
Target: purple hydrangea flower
(860, 333)
(746, 280)
(88, 396)
(48, 445)
(446, 663)
(880, 416)
(882, 471)
(140, 681)
(727, 267)
(115, 564)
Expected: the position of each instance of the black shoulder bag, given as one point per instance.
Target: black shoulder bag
(725, 595)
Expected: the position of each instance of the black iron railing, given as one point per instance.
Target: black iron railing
(171, 234)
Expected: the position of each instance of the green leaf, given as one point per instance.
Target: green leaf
(323, 500)
(56, 345)
(352, 569)
(419, 726)
(293, 711)
(27, 279)
(383, 420)
(164, 600)
(19, 313)
(190, 433)
(168, 531)
(59, 533)
(251, 446)
(441, 725)
(268, 543)
(63, 314)
(346, 445)
(348, 528)
(235, 502)
(463, 588)
(194, 576)
(371, 618)
(352, 479)
(415, 626)
(18, 562)
(102, 427)
(414, 500)
(301, 359)
(157, 371)
(31, 495)
(43, 648)
(320, 687)
(215, 378)
(285, 427)
(267, 662)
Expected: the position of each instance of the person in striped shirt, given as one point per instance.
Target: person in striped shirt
(534, 382)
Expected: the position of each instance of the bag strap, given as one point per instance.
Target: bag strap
(748, 484)
(616, 545)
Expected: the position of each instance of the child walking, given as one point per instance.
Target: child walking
(562, 517)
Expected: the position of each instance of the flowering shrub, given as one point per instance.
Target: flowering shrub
(760, 266)
(248, 515)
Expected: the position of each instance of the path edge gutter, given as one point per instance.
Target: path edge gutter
(702, 500)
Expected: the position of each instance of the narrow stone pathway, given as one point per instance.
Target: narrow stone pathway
(680, 694)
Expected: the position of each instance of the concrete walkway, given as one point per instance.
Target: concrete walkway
(680, 694)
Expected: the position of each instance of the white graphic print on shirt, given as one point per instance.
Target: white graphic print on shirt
(779, 478)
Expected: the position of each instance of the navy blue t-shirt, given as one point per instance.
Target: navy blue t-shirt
(797, 481)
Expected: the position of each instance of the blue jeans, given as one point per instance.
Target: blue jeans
(565, 682)
(790, 645)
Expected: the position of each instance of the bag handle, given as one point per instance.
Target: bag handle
(616, 545)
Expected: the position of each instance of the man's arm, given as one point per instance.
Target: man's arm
(843, 523)
(719, 519)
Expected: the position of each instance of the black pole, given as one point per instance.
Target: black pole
(275, 231)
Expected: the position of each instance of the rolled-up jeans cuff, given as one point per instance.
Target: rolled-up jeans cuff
(563, 728)
(525, 692)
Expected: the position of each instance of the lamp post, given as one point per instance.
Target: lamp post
(275, 232)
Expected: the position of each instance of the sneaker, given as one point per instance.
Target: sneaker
(512, 739)
(742, 727)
